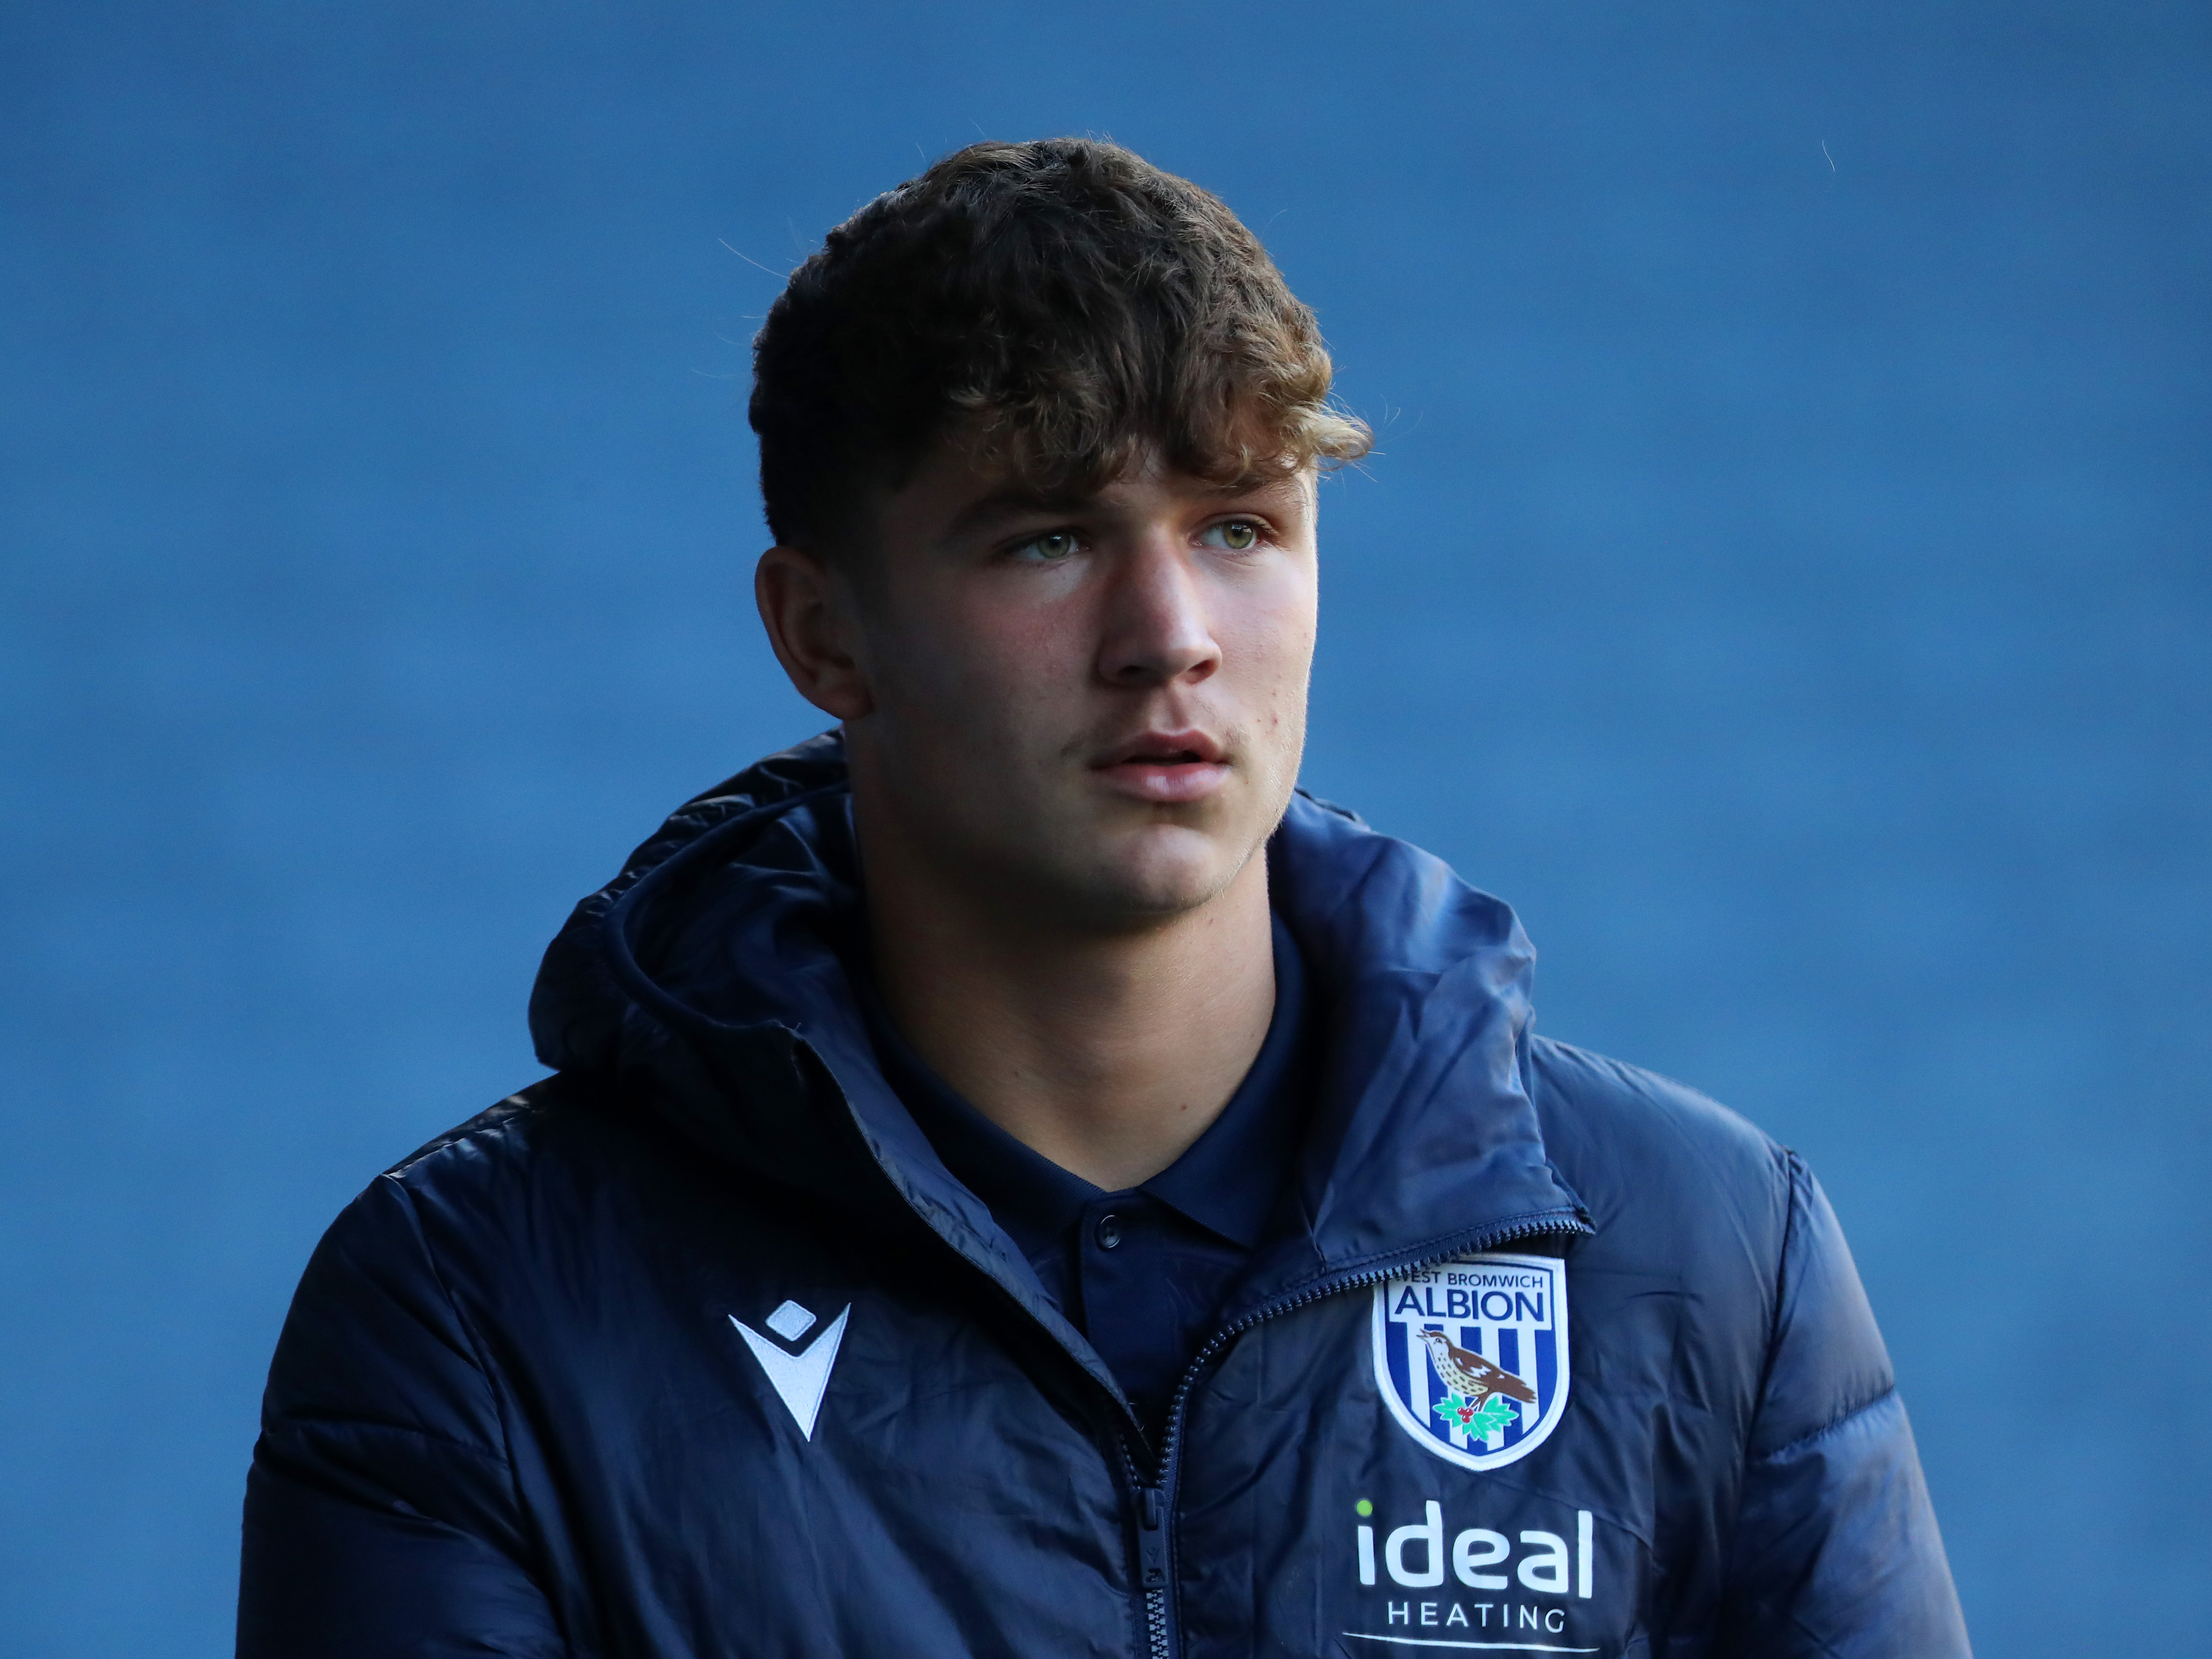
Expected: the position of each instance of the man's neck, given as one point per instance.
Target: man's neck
(1107, 1051)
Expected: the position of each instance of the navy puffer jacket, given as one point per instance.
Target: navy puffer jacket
(694, 1348)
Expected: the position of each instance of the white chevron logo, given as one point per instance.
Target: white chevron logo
(799, 1379)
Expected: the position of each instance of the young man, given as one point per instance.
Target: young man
(1019, 1179)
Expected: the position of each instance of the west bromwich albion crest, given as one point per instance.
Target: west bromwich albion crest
(1471, 1355)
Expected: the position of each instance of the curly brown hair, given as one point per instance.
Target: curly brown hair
(1056, 308)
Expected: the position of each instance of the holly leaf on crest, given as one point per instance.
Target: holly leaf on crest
(1476, 1422)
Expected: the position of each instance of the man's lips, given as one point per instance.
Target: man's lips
(1166, 767)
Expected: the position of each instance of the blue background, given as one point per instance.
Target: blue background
(1784, 578)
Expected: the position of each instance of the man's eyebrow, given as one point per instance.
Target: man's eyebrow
(1258, 483)
(1015, 501)
(1000, 505)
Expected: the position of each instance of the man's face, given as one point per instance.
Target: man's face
(1096, 706)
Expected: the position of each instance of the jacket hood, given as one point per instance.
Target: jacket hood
(710, 976)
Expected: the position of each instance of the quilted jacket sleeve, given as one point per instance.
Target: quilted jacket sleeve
(1836, 1552)
(380, 1517)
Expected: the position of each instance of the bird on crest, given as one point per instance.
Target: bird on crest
(1471, 1375)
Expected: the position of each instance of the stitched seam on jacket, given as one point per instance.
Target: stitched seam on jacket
(1792, 1167)
(1793, 1172)
(531, 1536)
(323, 1425)
(1789, 1172)
(1826, 1428)
(505, 1452)
(1822, 1648)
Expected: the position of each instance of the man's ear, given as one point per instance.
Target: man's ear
(808, 612)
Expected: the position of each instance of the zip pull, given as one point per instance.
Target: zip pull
(1153, 1539)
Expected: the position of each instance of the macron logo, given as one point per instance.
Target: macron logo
(799, 1379)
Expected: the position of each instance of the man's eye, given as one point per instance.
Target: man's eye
(1237, 536)
(1048, 548)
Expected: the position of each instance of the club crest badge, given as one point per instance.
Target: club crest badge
(1471, 1355)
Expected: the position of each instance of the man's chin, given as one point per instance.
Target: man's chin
(1162, 873)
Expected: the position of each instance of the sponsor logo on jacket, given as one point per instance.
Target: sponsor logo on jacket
(1473, 1587)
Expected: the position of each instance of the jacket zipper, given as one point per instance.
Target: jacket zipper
(1156, 1497)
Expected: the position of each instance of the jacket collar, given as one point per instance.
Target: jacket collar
(710, 978)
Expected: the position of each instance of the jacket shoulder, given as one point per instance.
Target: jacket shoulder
(1607, 1119)
(1685, 1195)
(500, 1140)
(551, 1152)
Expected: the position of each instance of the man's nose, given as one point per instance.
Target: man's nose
(1157, 627)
